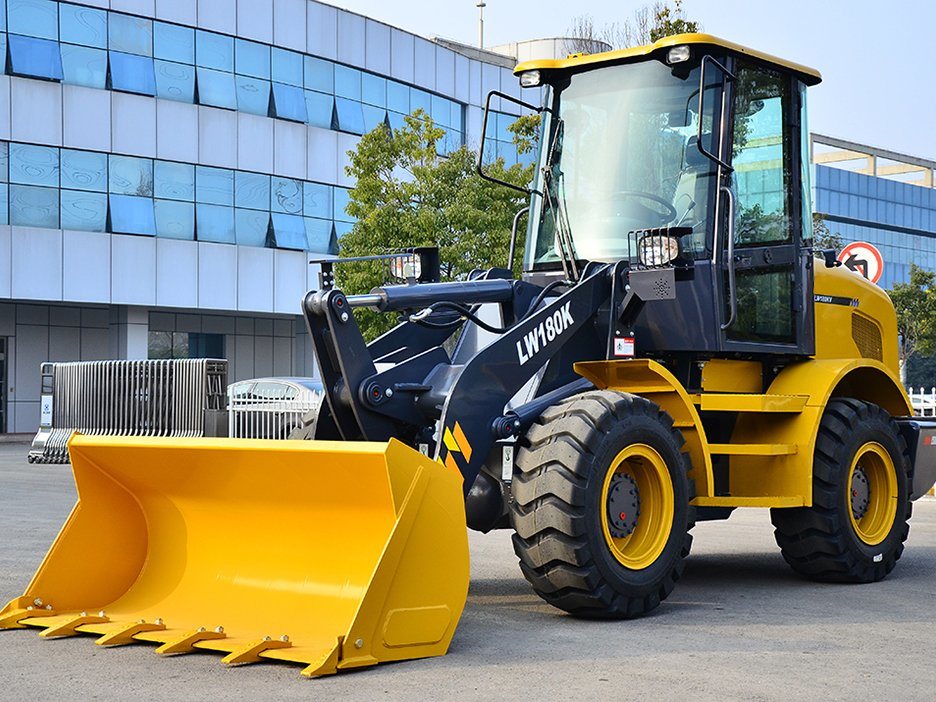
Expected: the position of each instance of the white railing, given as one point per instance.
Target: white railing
(923, 401)
(267, 419)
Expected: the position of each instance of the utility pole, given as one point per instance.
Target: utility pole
(481, 5)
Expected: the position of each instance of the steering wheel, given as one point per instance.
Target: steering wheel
(667, 215)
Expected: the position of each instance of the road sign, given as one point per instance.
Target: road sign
(864, 259)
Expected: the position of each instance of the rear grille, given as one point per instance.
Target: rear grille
(867, 336)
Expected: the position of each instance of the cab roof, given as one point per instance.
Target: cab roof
(810, 76)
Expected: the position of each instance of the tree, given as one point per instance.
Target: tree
(915, 303)
(823, 237)
(648, 24)
(407, 195)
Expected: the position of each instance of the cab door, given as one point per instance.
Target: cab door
(766, 271)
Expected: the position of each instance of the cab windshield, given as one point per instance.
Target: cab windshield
(620, 155)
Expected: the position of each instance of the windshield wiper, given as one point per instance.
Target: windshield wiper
(560, 217)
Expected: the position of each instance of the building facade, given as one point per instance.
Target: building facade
(169, 168)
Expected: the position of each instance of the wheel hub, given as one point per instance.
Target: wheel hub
(860, 492)
(623, 505)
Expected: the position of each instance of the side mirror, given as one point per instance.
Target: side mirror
(484, 123)
(830, 256)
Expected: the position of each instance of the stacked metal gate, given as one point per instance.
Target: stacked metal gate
(127, 398)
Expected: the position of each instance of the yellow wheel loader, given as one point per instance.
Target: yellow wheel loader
(675, 349)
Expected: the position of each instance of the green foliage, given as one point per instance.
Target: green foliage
(407, 195)
(823, 237)
(671, 20)
(915, 303)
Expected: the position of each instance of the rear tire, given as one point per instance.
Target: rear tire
(601, 505)
(855, 530)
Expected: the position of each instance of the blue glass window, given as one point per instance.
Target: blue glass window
(34, 165)
(4, 199)
(83, 25)
(3, 52)
(4, 161)
(175, 220)
(84, 66)
(132, 74)
(289, 103)
(288, 231)
(174, 181)
(252, 190)
(398, 98)
(253, 95)
(84, 170)
(318, 234)
(216, 88)
(175, 81)
(317, 200)
(397, 121)
(373, 90)
(420, 100)
(341, 228)
(131, 35)
(341, 199)
(132, 215)
(32, 206)
(214, 186)
(350, 116)
(347, 82)
(174, 43)
(34, 18)
(251, 227)
(319, 75)
(440, 110)
(320, 109)
(252, 59)
(373, 117)
(84, 211)
(287, 67)
(286, 195)
(3, 16)
(36, 58)
(215, 223)
(457, 117)
(131, 176)
(214, 51)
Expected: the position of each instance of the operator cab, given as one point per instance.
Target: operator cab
(704, 142)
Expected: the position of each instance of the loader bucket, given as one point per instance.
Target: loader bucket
(331, 554)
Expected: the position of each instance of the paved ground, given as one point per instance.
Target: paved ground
(740, 626)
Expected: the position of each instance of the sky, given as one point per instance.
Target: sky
(876, 56)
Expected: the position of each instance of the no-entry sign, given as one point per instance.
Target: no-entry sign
(864, 259)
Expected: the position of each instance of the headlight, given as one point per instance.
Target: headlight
(530, 79)
(678, 54)
(406, 267)
(657, 249)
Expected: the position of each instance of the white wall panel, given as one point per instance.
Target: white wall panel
(322, 30)
(26, 417)
(133, 119)
(254, 143)
(176, 131)
(401, 55)
(289, 148)
(86, 270)
(255, 20)
(146, 8)
(351, 38)
(87, 117)
(254, 279)
(180, 11)
(510, 84)
(217, 276)
(97, 3)
(445, 71)
(217, 137)
(462, 91)
(490, 80)
(346, 143)
(176, 273)
(425, 64)
(133, 270)
(289, 278)
(4, 107)
(474, 118)
(37, 263)
(6, 261)
(377, 46)
(218, 15)
(474, 83)
(36, 111)
(323, 155)
(289, 24)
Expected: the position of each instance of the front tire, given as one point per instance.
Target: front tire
(855, 530)
(601, 505)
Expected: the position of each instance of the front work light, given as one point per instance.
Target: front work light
(530, 79)
(678, 54)
(406, 267)
(657, 249)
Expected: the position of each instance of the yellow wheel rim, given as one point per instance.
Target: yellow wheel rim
(872, 493)
(639, 466)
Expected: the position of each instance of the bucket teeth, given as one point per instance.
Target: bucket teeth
(70, 627)
(125, 635)
(186, 642)
(251, 652)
